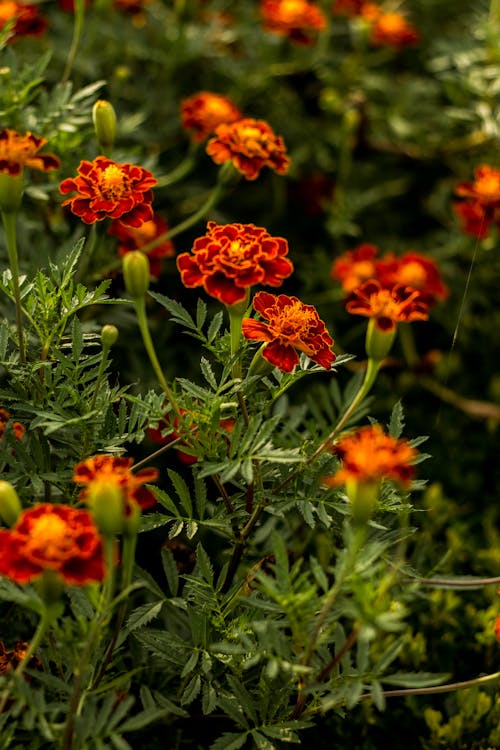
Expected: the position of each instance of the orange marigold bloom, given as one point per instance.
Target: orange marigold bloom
(107, 189)
(135, 238)
(355, 266)
(230, 258)
(415, 271)
(481, 205)
(11, 658)
(390, 29)
(18, 151)
(116, 471)
(369, 455)
(292, 326)
(205, 111)
(292, 18)
(250, 145)
(17, 427)
(25, 17)
(387, 306)
(52, 538)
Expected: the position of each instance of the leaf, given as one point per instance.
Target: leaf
(143, 615)
(229, 741)
(170, 569)
(191, 690)
(415, 679)
(397, 421)
(143, 719)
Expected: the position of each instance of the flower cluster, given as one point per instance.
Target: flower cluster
(250, 145)
(135, 238)
(291, 327)
(386, 28)
(231, 258)
(105, 189)
(480, 207)
(17, 428)
(18, 151)
(295, 19)
(54, 538)
(205, 111)
(11, 658)
(25, 19)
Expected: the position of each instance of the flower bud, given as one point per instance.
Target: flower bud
(104, 119)
(363, 497)
(109, 335)
(11, 191)
(106, 503)
(10, 505)
(136, 273)
(378, 343)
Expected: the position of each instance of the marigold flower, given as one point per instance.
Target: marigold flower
(292, 326)
(116, 471)
(293, 19)
(17, 427)
(355, 266)
(107, 189)
(18, 151)
(54, 538)
(481, 205)
(205, 111)
(369, 455)
(387, 306)
(391, 29)
(135, 238)
(231, 258)
(250, 145)
(11, 658)
(26, 19)
(412, 270)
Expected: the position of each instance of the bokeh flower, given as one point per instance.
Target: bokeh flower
(135, 238)
(116, 472)
(55, 538)
(481, 205)
(348, 8)
(497, 628)
(391, 29)
(291, 327)
(18, 151)
(412, 270)
(295, 19)
(17, 428)
(11, 658)
(355, 266)
(387, 307)
(205, 111)
(231, 258)
(105, 189)
(25, 18)
(249, 145)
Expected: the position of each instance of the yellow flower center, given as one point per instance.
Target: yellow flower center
(291, 10)
(391, 23)
(488, 186)
(292, 324)
(384, 306)
(412, 274)
(113, 183)
(49, 536)
(8, 11)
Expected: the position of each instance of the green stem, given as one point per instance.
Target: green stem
(463, 684)
(77, 33)
(182, 169)
(9, 219)
(407, 341)
(140, 307)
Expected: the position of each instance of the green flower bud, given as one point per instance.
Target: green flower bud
(378, 343)
(106, 503)
(109, 335)
(363, 497)
(50, 587)
(136, 273)
(104, 119)
(10, 505)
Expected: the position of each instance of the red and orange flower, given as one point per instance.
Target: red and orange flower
(412, 270)
(205, 111)
(295, 19)
(291, 327)
(25, 17)
(11, 658)
(355, 266)
(387, 307)
(370, 455)
(54, 538)
(250, 145)
(497, 628)
(17, 428)
(105, 189)
(391, 29)
(18, 151)
(231, 258)
(481, 205)
(135, 238)
(116, 471)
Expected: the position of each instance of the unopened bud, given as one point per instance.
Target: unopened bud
(363, 497)
(109, 335)
(10, 505)
(104, 119)
(106, 503)
(136, 273)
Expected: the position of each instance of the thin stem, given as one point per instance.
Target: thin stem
(77, 33)
(239, 546)
(346, 646)
(463, 684)
(9, 219)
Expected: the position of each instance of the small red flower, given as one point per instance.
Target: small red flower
(369, 455)
(387, 306)
(205, 111)
(11, 658)
(25, 17)
(250, 145)
(355, 266)
(52, 538)
(135, 238)
(231, 258)
(481, 205)
(292, 326)
(295, 19)
(412, 270)
(17, 427)
(393, 30)
(116, 471)
(18, 151)
(107, 189)
(189, 423)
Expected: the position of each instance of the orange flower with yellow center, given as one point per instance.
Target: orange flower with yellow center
(355, 266)
(54, 538)
(294, 19)
(292, 327)
(481, 205)
(412, 270)
(25, 17)
(18, 151)
(135, 238)
(115, 471)
(390, 29)
(370, 455)
(17, 428)
(387, 307)
(205, 111)
(10, 659)
(250, 145)
(105, 189)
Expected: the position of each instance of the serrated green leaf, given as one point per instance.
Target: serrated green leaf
(191, 690)
(229, 741)
(170, 569)
(415, 679)
(143, 719)
(397, 421)
(143, 615)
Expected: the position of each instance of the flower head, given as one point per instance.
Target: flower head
(291, 326)
(295, 19)
(17, 428)
(387, 306)
(205, 111)
(250, 145)
(231, 258)
(412, 270)
(11, 658)
(355, 266)
(370, 455)
(54, 538)
(115, 471)
(18, 151)
(135, 238)
(107, 189)
(25, 19)
(481, 205)
(388, 28)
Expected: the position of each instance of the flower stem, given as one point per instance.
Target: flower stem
(9, 224)
(182, 169)
(77, 33)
